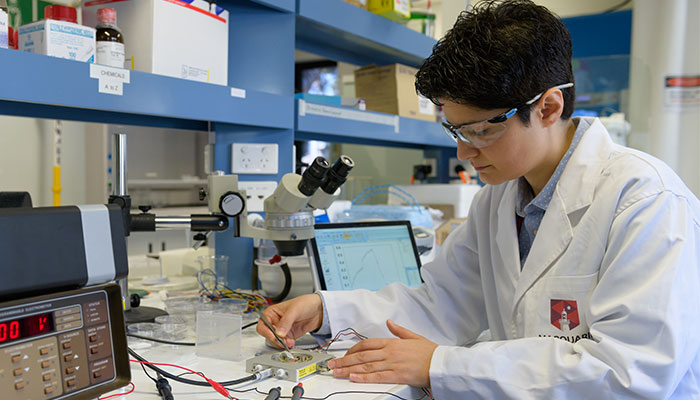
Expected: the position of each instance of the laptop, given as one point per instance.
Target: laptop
(364, 255)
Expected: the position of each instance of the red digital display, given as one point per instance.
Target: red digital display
(25, 327)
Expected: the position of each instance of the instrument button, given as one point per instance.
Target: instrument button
(66, 345)
(70, 370)
(48, 390)
(16, 358)
(18, 372)
(19, 385)
(46, 377)
(44, 351)
(68, 357)
(45, 364)
(70, 382)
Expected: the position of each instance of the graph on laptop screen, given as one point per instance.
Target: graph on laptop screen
(366, 257)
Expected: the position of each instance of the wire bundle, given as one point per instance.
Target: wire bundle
(219, 291)
(345, 332)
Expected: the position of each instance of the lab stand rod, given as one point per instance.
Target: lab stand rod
(119, 187)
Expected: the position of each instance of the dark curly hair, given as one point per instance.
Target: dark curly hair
(500, 55)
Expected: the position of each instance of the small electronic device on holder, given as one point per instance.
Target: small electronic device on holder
(61, 323)
(300, 365)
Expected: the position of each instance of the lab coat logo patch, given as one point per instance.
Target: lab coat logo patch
(564, 314)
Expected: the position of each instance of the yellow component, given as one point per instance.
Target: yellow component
(132, 63)
(306, 371)
(56, 189)
(395, 10)
(208, 76)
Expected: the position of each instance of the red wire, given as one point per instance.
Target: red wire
(133, 387)
(216, 385)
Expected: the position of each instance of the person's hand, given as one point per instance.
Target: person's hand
(292, 319)
(405, 360)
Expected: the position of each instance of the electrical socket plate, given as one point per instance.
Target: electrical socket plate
(254, 158)
(453, 162)
(433, 164)
(256, 192)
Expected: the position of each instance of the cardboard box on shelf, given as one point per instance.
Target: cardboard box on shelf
(391, 89)
(446, 228)
(181, 39)
(395, 10)
(58, 39)
(359, 3)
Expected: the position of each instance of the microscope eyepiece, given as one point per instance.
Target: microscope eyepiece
(313, 176)
(337, 174)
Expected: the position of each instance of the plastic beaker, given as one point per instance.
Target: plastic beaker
(219, 335)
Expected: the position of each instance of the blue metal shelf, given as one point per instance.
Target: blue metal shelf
(285, 6)
(49, 87)
(280, 5)
(344, 32)
(346, 125)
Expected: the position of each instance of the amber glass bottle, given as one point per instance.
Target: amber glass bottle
(110, 42)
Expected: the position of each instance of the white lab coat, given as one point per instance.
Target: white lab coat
(618, 249)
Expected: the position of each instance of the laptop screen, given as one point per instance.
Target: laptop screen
(364, 255)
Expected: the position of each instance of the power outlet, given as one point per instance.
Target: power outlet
(454, 162)
(254, 158)
(433, 167)
(256, 192)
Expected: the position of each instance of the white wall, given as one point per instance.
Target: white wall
(26, 159)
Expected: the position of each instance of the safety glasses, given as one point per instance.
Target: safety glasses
(483, 133)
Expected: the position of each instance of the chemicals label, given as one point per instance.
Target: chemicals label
(110, 54)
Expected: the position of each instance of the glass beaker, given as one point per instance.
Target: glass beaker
(213, 271)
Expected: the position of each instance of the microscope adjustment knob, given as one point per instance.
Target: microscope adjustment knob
(231, 204)
(202, 194)
(145, 209)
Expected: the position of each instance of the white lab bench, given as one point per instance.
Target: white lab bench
(315, 386)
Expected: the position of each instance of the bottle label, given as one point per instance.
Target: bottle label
(110, 54)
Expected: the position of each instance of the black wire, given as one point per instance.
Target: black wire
(178, 343)
(148, 375)
(160, 340)
(345, 392)
(616, 7)
(188, 381)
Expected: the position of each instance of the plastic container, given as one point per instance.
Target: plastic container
(234, 306)
(147, 329)
(174, 326)
(219, 335)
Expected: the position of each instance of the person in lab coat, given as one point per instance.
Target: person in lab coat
(569, 224)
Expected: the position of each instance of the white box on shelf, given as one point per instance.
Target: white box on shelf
(58, 39)
(4, 38)
(181, 39)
